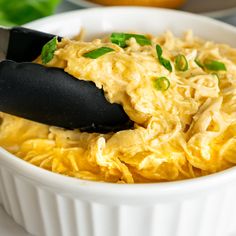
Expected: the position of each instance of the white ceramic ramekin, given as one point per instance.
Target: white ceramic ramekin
(47, 204)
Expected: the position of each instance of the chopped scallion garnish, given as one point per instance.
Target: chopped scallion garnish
(199, 63)
(121, 38)
(48, 50)
(161, 83)
(211, 65)
(181, 63)
(214, 65)
(94, 54)
(159, 51)
(166, 63)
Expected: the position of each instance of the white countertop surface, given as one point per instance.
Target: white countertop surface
(8, 227)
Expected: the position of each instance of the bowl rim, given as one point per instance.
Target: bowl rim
(71, 13)
(214, 13)
(58, 181)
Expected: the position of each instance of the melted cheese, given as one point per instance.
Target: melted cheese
(187, 131)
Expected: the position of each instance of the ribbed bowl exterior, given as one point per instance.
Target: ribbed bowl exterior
(44, 211)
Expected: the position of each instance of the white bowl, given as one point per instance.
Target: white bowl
(47, 204)
(205, 7)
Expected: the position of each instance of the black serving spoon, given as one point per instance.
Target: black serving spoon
(49, 95)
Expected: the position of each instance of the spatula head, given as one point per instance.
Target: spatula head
(53, 97)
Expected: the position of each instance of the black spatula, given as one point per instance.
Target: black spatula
(21, 44)
(49, 95)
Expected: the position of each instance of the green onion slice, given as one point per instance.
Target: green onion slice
(159, 51)
(48, 50)
(161, 83)
(121, 38)
(199, 63)
(214, 65)
(166, 63)
(94, 54)
(181, 63)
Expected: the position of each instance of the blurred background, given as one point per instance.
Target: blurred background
(18, 12)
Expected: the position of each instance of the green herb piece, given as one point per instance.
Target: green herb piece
(18, 12)
(181, 63)
(94, 54)
(48, 50)
(199, 63)
(161, 83)
(159, 51)
(166, 63)
(121, 38)
(214, 65)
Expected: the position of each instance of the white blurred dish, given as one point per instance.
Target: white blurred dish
(213, 8)
(48, 204)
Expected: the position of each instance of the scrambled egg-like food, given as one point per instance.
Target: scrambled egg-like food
(180, 93)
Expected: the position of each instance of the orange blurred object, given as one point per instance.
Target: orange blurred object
(154, 3)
